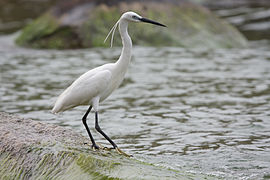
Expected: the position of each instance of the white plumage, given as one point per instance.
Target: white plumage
(97, 84)
(90, 88)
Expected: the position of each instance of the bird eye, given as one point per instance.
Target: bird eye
(134, 17)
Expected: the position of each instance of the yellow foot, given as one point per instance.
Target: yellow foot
(95, 147)
(122, 153)
(104, 148)
(100, 146)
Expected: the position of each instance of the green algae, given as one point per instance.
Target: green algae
(188, 26)
(62, 38)
(97, 27)
(9, 168)
(94, 166)
(82, 165)
(46, 32)
(59, 154)
(41, 27)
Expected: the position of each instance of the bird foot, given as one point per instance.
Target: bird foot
(108, 149)
(98, 146)
(122, 152)
(104, 148)
(95, 147)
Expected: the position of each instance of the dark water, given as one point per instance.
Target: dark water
(201, 111)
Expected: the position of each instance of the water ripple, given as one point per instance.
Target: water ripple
(203, 111)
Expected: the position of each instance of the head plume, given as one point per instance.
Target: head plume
(112, 32)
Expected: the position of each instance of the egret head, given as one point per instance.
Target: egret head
(133, 17)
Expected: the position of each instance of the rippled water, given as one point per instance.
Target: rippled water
(202, 111)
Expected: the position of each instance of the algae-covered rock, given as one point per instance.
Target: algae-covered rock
(47, 32)
(35, 150)
(83, 24)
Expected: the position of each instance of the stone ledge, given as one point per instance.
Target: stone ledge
(35, 150)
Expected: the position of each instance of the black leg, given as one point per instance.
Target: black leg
(101, 132)
(94, 145)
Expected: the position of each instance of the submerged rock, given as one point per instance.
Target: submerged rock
(85, 23)
(35, 150)
(249, 16)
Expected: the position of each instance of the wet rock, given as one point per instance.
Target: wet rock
(225, 4)
(85, 23)
(17, 13)
(34, 150)
(249, 16)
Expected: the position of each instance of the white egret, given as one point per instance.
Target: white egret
(97, 84)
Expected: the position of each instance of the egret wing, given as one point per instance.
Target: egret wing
(83, 90)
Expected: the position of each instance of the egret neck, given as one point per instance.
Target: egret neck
(124, 59)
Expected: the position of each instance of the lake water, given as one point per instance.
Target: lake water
(202, 111)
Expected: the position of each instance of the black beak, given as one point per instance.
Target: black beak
(151, 22)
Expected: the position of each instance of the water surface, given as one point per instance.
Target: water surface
(202, 111)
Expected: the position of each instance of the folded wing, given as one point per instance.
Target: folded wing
(83, 90)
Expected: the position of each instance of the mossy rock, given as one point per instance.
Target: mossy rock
(47, 32)
(35, 150)
(189, 26)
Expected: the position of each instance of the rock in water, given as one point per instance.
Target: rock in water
(35, 150)
(85, 23)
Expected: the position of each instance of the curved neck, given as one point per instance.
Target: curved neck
(127, 43)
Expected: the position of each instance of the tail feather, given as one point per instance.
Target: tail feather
(56, 109)
(58, 106)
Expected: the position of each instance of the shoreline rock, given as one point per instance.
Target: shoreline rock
(86, 24)
(35, 150)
